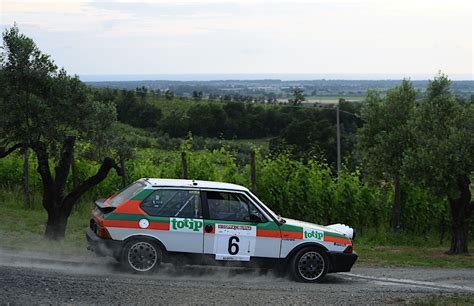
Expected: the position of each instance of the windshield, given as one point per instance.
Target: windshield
(126, 194)
(267, 209)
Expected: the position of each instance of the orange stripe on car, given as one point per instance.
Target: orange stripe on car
(268, 233)
(292, 235)
(134, 224)
(337, 239)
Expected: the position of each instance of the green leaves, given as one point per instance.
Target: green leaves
(442, 132)
(298, 96)
(40, 102)
(385, 135)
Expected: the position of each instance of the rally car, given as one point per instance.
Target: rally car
(158, 220)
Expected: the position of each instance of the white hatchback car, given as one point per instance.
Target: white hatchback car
(155, 220)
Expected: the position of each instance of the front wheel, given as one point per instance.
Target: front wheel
(309, 265)
(141, 256)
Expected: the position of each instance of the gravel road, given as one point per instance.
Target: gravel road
(29, 278)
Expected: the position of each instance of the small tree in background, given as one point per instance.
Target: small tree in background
(197, 95)
(142, 93)
(442, 155)
(298, 96)
(169, 94)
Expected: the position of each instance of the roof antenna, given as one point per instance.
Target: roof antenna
(194, 183)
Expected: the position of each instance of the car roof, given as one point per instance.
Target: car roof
(155, 182)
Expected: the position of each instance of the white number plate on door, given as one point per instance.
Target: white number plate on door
(234, 241)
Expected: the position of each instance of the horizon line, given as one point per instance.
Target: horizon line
(267, 76)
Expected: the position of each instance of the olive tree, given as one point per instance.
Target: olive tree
(384, 138)
(47, 110)
(442, 155)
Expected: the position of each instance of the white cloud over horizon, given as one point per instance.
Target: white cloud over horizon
(250, 36)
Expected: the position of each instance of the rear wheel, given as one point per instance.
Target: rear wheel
(141, 256)
(309, 265)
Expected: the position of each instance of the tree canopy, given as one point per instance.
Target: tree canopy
(47, 110)
(385, 137)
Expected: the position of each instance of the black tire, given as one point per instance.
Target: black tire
(309, 265)
(141, 256)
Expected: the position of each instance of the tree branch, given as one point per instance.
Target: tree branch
(5, 153)
(92, 181)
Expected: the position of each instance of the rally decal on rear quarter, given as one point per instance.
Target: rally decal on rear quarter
(186, 225)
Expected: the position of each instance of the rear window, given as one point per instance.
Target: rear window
(127, 194)
(173, 203)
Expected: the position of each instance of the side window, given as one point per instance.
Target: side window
(231, 207)
(173, 203)
(255, 214)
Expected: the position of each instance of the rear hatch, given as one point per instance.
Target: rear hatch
(106, 206)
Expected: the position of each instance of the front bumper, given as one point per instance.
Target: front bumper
(342, 262)
(102, 246)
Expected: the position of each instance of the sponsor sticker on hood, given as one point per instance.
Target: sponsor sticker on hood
(312, 234)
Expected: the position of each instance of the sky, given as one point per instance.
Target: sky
(381, 38)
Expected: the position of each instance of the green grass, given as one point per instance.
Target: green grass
(405, 249)
(22, 228)
(450, 299)
(411, 256)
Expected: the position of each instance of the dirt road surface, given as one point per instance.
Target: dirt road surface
(29, 278)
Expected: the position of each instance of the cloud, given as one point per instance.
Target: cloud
(188, 36)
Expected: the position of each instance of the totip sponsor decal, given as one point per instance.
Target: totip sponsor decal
(312, 234)
(186, 225)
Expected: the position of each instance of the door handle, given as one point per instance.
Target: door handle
(208, 228)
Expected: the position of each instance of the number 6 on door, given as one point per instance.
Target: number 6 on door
(234, 242)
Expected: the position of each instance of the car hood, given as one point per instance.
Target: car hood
(338, 228)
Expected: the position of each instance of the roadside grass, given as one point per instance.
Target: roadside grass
(404, 250)
(22, 229)
(450, 299)
(410, 256)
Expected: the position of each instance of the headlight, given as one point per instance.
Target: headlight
(348, 231)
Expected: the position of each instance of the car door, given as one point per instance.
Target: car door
(236, 229)
(182, 210)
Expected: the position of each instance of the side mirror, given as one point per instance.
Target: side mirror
(255, 219)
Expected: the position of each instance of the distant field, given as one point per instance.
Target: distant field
(334, 99)
(178, 105)
(181, 105)
(327, 99)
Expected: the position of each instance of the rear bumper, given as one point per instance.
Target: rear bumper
(342, 262)
(101, 246)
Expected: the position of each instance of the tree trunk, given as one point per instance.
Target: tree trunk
(57, 204)
(57, 222)
(73, 170)
(461, 209)
(26, 176)
(397, 206)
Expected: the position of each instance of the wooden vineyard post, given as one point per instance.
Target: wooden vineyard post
(184, 166)
(253, 172)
